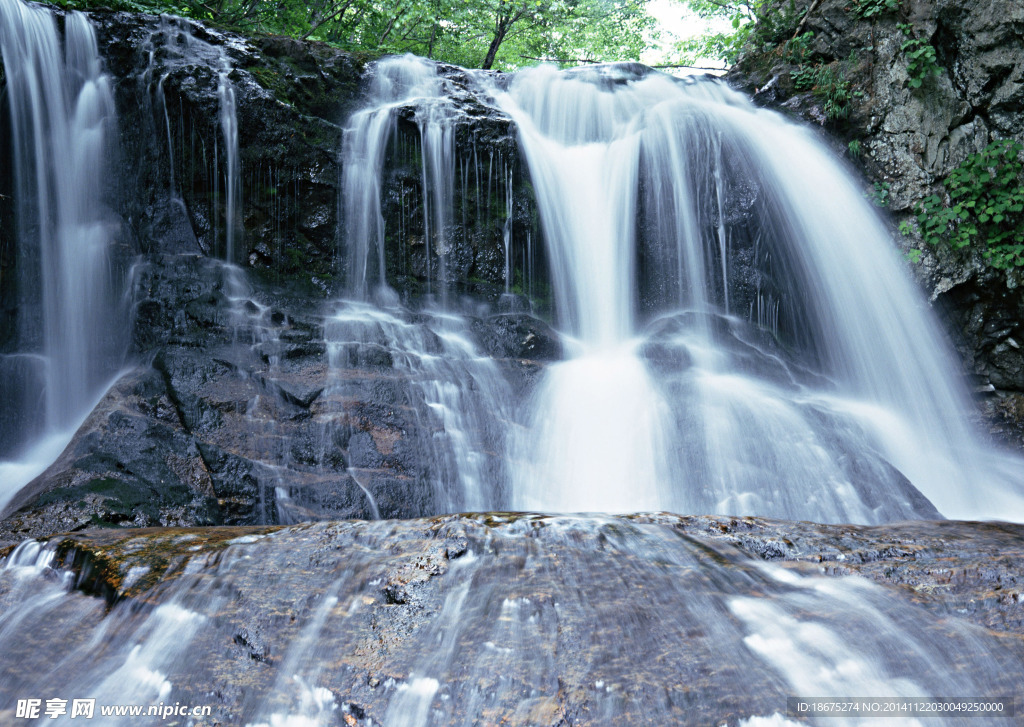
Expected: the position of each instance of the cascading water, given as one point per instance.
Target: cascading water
(399, 83)
(232, 162)
(738, 326)
(667, 219)
(177, 44)
(310, 626)
(461, 399)
(640, 178)
(71, 316)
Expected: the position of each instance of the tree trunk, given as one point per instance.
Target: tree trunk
(499, 36)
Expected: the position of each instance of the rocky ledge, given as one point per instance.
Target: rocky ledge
(518, 619)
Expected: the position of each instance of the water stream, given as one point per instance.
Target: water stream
(509, 629)
(618, 150)
(742, 337)
(70, 338)
(407, 83)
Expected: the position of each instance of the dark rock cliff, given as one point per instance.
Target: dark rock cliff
(906, 140)
(236, 401)
(238, 412)
(293, 100)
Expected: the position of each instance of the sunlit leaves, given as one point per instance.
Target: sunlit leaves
(755, 23)
(456, 31)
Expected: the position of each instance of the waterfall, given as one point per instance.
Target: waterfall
(174, 40)
(669, 208)
(739, 339)
(461, 399)
(70, 318)
(233, 166)
(398, 83)
(742, 338)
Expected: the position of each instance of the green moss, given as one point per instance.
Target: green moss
(103, 558)
(98, 522)
(272, 81)
(120, 500)
(322, 135)
(293, 261)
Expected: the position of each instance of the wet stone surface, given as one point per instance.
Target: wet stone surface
(247, 410)
(520, 619)
(972, 569)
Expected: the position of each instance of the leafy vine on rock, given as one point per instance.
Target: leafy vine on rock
(985, 206)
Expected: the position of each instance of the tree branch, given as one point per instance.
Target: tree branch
(800, 25)
(726, 6)
(387, 30)
(589, 60)
(684, 65)
(558, 60)
(334, 14)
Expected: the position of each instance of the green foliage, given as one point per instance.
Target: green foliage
(471, 33)
(759, 24)
(986, 206)
(804, 77)
(920, 55)
(879, 195)
(798, 49)
(828, 82)
(153, 7)
(854, 148)
(833, 87)
(871, 8)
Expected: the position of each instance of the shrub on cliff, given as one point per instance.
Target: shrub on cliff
(984, 206)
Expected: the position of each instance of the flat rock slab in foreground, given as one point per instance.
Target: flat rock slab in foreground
(516, 619)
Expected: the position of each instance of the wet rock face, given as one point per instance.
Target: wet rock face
(239, 404)
(523, 620)
(911, 139)
(947, 566)
(249, 412)
(519, 336)
(491, 199)
(132, 464)
(293, 101)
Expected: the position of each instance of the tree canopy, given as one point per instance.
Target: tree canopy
(769, 21)
(472, 33)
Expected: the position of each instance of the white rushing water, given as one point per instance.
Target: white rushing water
(615, 150)
(69, 288)
(460, 398)
(406, 82)
(742, 337)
